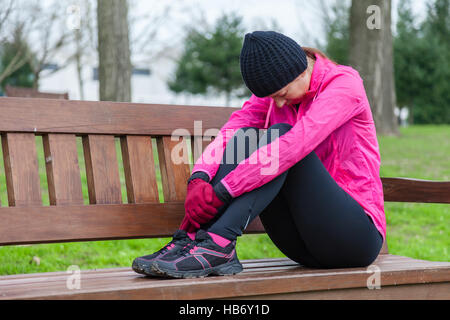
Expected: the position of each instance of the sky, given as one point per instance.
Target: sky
(299, 19)
(288, 14)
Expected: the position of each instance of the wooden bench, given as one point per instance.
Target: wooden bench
(67, 218)
(12, 91)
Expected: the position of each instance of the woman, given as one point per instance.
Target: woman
(312, 176)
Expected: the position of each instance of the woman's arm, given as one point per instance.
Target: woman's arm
(341, 99)
(252, 114)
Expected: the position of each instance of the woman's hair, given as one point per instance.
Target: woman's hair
(310, 53)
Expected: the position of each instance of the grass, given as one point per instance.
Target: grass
(415, 230)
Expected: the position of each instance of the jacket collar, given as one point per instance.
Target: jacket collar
(319, 70)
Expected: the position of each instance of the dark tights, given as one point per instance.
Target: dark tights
(307, 215)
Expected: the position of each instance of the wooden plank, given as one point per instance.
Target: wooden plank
(125, 284)
(88, 222)
(174, 166)
(63, 171)
(102, 169)
(91, 274)
(384, 248)
(420, 291)
(256, 226)
(106, 117)
(21, 169)
(139, 169)
(415, 190)
(251, 267)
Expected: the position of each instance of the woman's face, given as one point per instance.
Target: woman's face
(293, 92)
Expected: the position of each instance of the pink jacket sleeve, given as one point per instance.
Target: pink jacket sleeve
(252, 114)
(341, 98)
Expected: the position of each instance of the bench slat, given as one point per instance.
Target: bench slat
(251, 269)
(249, 266)
(88, 222)
(21, 169)
(415, 190)
(174, 166)
(139, 169)
(106, 117)
(102, 169)
(63, 171)
(47, 224)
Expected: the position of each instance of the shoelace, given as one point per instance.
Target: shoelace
(170, 245)
(192, 245)
(166, 247)
(187, 249)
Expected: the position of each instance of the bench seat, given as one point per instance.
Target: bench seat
(279, 278)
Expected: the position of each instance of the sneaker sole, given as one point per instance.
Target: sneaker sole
(144, 270)
(229, 268)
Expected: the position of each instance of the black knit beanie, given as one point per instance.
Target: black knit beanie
(269, 61)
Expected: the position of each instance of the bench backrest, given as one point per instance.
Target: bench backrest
(139, 128)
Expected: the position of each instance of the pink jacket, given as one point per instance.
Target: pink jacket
(334, 120)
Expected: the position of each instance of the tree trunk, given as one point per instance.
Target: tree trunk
(114, 70)
(78, 55)
(371, 53)
(36, 76)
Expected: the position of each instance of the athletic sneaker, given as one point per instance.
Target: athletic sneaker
(201, 258)
(142, 264)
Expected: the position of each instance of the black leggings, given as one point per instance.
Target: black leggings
(307, 215)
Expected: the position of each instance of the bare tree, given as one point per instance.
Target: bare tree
(85, 43)
(50, 42)
(5, 14)
(31, 24)
(145, 44)
(113, 50)
(174, 18)
(321, 11)
(13, 31)
(371, 53)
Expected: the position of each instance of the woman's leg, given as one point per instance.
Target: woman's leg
(274, 214)
(334, 227)
(281, 229)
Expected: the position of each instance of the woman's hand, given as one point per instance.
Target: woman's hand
(201, 202)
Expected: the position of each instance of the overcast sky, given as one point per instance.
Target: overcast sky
(297, 18)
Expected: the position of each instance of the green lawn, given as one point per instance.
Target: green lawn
(416, 230)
